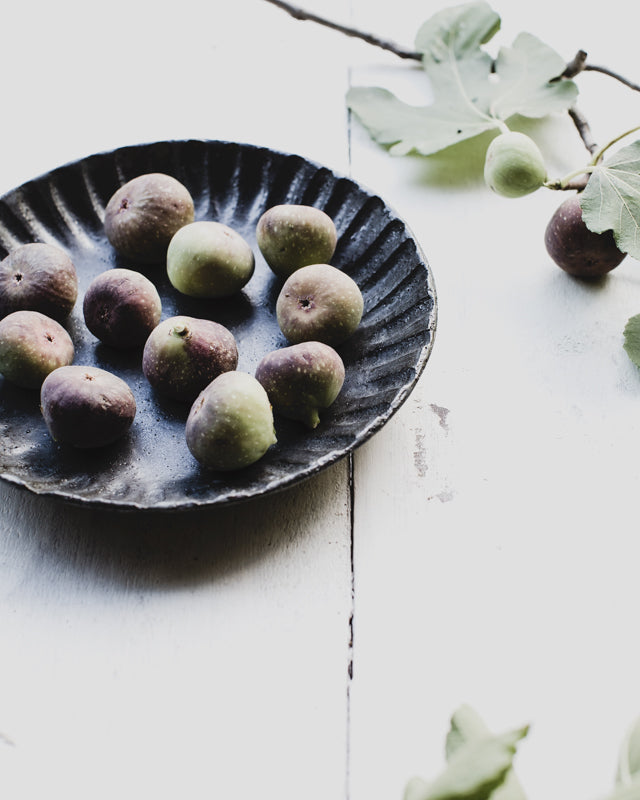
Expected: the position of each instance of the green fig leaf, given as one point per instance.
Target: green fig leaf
(468, 726)
(611, 199)
(629, 791)
(473, 772)
(632, 342)
(629, 758)
(472, 93)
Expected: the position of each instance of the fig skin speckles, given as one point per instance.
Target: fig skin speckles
(144, 213)
(302, 380)
(38, 277)
(209, 259)
(86, 407)
(31, 346)
(230, 424)
(183, 354)
(291, 236)
(319, 303)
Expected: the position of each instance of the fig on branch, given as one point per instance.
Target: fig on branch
(576, 249)
(514, 165)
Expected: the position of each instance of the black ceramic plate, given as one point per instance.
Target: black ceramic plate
(232, 183)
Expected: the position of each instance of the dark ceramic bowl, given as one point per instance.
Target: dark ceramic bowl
(233, 183)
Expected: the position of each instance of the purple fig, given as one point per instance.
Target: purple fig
(86, 407)
(143, 215)
(121, 307)
(38, 277)
(302, 379)
(319, 303)
(183, 354)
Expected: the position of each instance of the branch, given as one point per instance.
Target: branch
(583, 129)
(300, 14)
(612, 74)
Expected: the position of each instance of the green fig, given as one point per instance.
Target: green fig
(230, 425)
(514, 165)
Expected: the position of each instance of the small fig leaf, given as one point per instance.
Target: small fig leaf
(457, 32)
(471, 93)
(629, 758)
(611, 199)
(628, 791)
(468, 726)
(632, 346)
(474, 771)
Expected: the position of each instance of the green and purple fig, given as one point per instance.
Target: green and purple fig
(183, 354)
(86, 407)
(319, 303)
(576, 249)
(31, 346)
(230, 425)
(209, 259)
(121, 307)
(302, 380)
(291, 236)
(514, 165)
(143, 215)
(38, 277)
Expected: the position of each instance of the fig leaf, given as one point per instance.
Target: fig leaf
(629, 758)
(611, 199)
(472, 92)
(632, 342)
(473, 772)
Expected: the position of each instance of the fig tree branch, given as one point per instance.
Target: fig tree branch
(577, 64)
(385, 44)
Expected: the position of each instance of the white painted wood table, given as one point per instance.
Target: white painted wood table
(481, 548)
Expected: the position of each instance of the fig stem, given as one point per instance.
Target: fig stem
(601, 151)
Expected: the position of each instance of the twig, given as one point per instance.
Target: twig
(577, 64)
(583, 128)
(612, 74)
(301, 14)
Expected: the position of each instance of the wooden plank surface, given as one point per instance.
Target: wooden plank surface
(495, 543)
(482, 551)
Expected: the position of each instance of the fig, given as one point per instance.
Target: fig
(121, 307)
(514, 165)
(86, 407)
(38, 277)
(230, 425)
(183, 354)
(291, 236)
(209, 259)
(31, 346)
(143, 215)
(319, 303)
(302, 379)
(576, 249)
